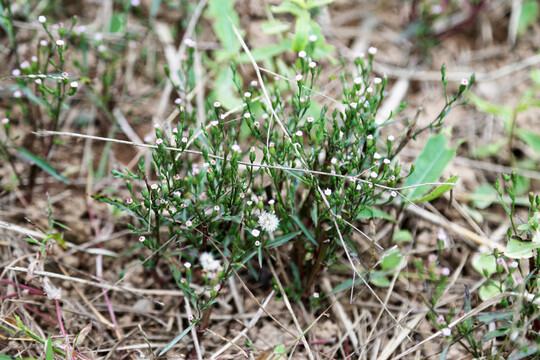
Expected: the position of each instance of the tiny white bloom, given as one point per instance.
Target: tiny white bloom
(189, 223)
(249, 202)
(353, 105)
(377, 80)
(34, 58)
(316, 295)
(268, 221)
(252, 149)
(357, 80)
(43, 43)
(184, 140)
(464, 82)
(299, 133)
(369, 137)
(255, 232)
(208, 262)
(302, 54)
(513, 264)
(217, 104)
(254, 83)
(391, 138)
(393, 194)
(42, 19)
(5, 121)
(187, 265)
(74, 84)
(236, 148)
(17, 94)
(374, 174)
(135, 3)
(333, 160)
(142, 238)
(25, 64)
(178, 101)
(372, 50)
(242, 195)
(216, 287)
(129, 201)
(247, 115)
(177, 193)
(327, 192)
(312, 38)
(247, 94)
(256, 124)
(159, 141)
(299, 77)
(216, 208)
(310, 119)
(312, 64)
(154, 186)
(257, 243)
(445, 271)
(60, 42)
(369, 89)
(376, 156)
(214, 123)
(386, 161)
(190, 43)
(16, 72)
(446, 332)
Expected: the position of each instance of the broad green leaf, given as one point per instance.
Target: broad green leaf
(484, 196)
(495, 334)
(439, 190)
(372, 212)
(521, 249)
(117, 23)
(402, 236)
(484, 261)
(529, 15)
(391, 261)
(301, 31)
(41, 163)
(279, 349)
(304, 229)
(224, 90)
(267, 52)
(530, 138)
(176, 339)
(287, 7)
(430, 165)
(274, 27)
(224, 17)
(492, 317)
(378, 278)
(487, 291)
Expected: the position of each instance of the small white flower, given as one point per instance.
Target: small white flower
(271, 144)
(74, 84)
(377, 80)
(190, 43)
(142, 238)
(217, 104)
(299, 77)
(369, 89)
(214, 123)
(369, 137)
(256, 124)
(327, 192)
(316, 295)
(372, 50)
(129, 201)
(34, 58)
(500, 261)
(42, 19)
(268, 221)
(392, 178)
(464, 82)
(17, 94)
(242, 195)
(189, 223)
(302, 54)
(177, 193)
(159, 141)
(216, 208)
(255, 232)
(236, 148)
(393, 194)
(254, 83)
(177, 177)
(60, 42)
(154, 186)
(249, 202)
(212, 162)
(312, 64)
(178, 101)
(445, 271)
(16, 72)
(25, 64)
(353, 105)
(312, 38)
(5, 121)
(43, 43)
(310, 119)
(247, 115)
(513, 264)
(391, 138)
(65, 75)
(208, 262)
(386, 161)
(257, 243)
(374, 174)
(162, 201)
(333, 160)
(252, 149)
(135, 3)
(187, 264)
(376, 156)
(184, 140)
(357, 80)
(102, 48)
(247, 94)
(299, 133)
(446, 332)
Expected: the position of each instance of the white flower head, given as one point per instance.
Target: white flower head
(187, 264)
(60, 42)
(159, 141)
(5, 121)
(42, 19)
(236, 148)
(268, 221)
(464, 82)
(299, 77)
(377, 80)
(310, 119)
(374, 174)
(255, 232)
(208, 263)
(302, 54)
(312, 38)
(312, 64)
(74, 84)
(391, 138)
(372, 50)
(142, 238)
(247, 94)
(446, 332)
(327, 192)
(217, 104)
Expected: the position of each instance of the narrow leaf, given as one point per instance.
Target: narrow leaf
(41, 163)
(439, 190)
(176, 339)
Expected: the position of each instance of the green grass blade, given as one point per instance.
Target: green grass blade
(176, 339)
(42, 164)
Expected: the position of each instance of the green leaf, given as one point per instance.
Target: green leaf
(402, 236)
(287, 7)
(430, 165)
(484, 196)
(279, 349)
(304, 229)
(495, 334)
(531, 138)
(489, 149)
(318, 3)
(439, 190)
(301, 31)
(280, 240)
(41, 163)
(49, 354)
(487, 291)
(224, 17)
(378, 278)
(117, 23)
(371, 213)
(392, 260)
(535, 76)
(504, 112)
(274, 27)
(176, 339)
(483, 261)
(529, 14)
(518, 249)
(492, 317)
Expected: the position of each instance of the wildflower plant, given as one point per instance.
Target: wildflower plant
(285, 170)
